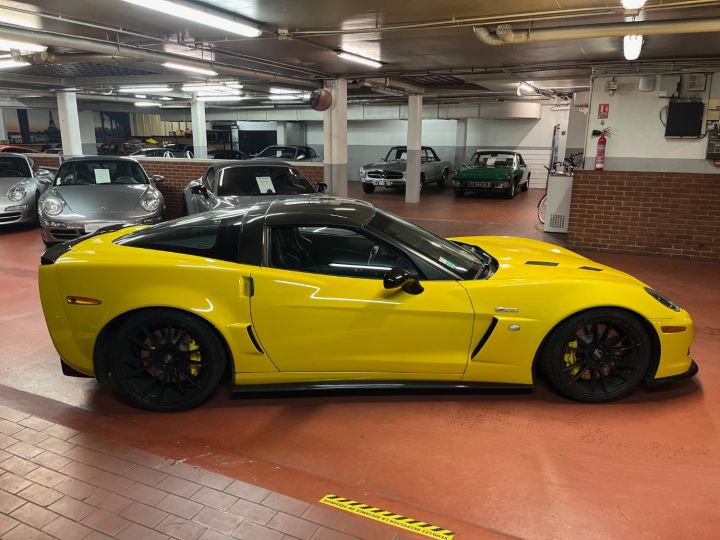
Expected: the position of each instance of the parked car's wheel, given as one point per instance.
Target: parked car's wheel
(166, 360)
(36, 215)
(443, 179)
(367, 187)
(510, 193)
(597, 356)
(459, 192)
(422, 180)
(526, 185)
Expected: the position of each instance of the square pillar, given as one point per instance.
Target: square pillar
(335, 131)
(414, 145)
(460, 142)
(87, 133)
(281, 130)
(69, 123)
(199, 129)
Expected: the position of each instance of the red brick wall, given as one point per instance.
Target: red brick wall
(178, 172)
(669, 214)
(49, 161)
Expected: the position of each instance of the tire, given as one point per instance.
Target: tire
(36, 216)
(368, 188)
(422, 180)
(526, 185)
(597, 356)
(443, 179)
(459, 192)
(511, 192)
(542, 209)
(166, 360)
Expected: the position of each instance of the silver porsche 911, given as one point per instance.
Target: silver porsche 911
(97, 191)
(20, 188)
(231, 183)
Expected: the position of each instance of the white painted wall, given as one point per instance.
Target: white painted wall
(637, 141)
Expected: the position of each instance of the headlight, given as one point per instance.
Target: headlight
(53, 206)
(17, 193)
(150, 201)
(363, 173)
(664, 300)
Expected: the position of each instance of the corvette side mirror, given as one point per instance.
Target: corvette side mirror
(399, 278)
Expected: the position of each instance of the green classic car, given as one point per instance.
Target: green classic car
(493, 171)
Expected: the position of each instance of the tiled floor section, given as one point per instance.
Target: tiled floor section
(56, 482)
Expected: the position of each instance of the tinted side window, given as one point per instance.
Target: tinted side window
(210, 180)
(334, 251)
(214, 239)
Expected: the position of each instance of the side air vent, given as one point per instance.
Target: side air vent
(542, 263)
(591, 269)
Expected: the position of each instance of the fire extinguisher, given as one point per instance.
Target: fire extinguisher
(600, 154)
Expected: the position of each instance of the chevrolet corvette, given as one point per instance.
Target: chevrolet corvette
(330, 293)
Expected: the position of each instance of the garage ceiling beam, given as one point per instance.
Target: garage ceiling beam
(147, 55)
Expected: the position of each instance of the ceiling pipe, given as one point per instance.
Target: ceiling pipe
(47, 57)
(505, 34)
(145, 55)
(378, 84)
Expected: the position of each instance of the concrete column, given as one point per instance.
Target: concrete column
(414, 145)
(3, 131)
(69, 123)
(281, 130)
(460, 142)
(87, 133)
(335, 131)
(199, 129)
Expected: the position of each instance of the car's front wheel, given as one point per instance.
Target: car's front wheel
(166, 360)
(367, 187)
(443, 179)
(597, 356)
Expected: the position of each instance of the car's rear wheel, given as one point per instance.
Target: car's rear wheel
(367, 187)
(597, 356)
(166, 360)
(443, 179)
(510, 193)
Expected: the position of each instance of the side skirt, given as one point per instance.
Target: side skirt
(353, 385)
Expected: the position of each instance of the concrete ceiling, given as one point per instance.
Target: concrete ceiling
(426, 43)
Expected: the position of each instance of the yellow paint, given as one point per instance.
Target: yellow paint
(314, 327)
(389, 518)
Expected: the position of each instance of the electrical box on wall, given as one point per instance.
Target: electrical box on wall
(668, 86)
(696, 82)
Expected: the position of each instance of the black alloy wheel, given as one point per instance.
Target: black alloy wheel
(166, 360)
(443, 179)
(597, 356)
(368, 187)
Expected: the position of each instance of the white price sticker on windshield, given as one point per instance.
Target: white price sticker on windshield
(265, 184)
(102, 176)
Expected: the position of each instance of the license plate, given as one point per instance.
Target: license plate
(380, 182)
(92, 227)
(479, 184)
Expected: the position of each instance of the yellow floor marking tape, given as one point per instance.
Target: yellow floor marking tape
(390, 518)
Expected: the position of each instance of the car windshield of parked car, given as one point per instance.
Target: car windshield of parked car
(492, 159)
(397, 153)
(100, 172)
(462, 262)
(14, 167)
(278, 152)
(239, 181)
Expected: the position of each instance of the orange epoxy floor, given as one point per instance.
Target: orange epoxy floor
(530, 465)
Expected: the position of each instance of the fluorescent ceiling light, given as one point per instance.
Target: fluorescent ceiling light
(201, 16)
(229, 92)
(211, 89)
(631, 46)
(9, 45)
(276, 90)
(524, 88)
(165, 98)
(140, 96)
(633, 4)
(360, 59)
(191, 69)
(148, 89)
(146, 104)
(9, 64)
(219, 98)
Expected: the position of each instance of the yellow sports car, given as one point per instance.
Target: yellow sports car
(334, 293)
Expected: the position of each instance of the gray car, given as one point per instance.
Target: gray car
(20, 188)
(288, 152)
(232, 183)
(390, 172)
(97, 191)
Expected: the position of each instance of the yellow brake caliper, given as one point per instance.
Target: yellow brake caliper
(569, 357)
(194, 369)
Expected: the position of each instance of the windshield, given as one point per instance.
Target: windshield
(14, 167)
(493, 159)
(263, 181)
(447, 254)
(74, 173)
(397, 153)
(278, 152)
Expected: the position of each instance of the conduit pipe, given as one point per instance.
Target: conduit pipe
(146, 55)
(506, 35)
